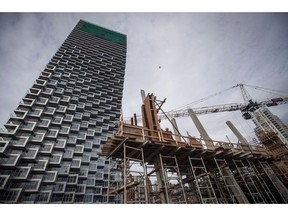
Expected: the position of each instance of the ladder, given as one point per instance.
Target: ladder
(112, 182)
(174, 188)
(246, 175)
(230, 185)
(134, 188)
(202, 181)
(282, 190)
(136, 157)
(219, 187)
(263, 185)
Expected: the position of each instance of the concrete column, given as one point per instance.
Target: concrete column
(236, 190)
(176, 130)
(208, 141)
(160, 180)
(243, 142)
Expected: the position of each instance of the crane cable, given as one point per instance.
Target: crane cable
(203, 99)
(267, 90)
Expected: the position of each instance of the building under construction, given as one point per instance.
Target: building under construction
(158, 166)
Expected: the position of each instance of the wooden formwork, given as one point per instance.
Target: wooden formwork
(154, 144)
(187, 170)
(164, 143)
(271, 141)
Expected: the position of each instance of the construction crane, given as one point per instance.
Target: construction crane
(248, 109)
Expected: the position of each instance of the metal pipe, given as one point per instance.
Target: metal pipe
(125, 176)
(145, 178)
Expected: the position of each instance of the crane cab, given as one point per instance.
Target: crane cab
(246, 115)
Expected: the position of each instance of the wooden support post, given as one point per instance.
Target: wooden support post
(135, 119)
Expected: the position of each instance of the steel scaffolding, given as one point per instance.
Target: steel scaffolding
(202, 181)
(278, 185)
(134, 187)
(172, 178)
(263, 187)
(154, 173)
(247, 176)
(185, 169)
(231, 191)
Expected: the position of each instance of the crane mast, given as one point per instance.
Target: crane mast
(246, 96)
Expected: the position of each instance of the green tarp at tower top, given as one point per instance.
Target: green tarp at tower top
(104, 33)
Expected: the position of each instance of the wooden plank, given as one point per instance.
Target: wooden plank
(118, 147)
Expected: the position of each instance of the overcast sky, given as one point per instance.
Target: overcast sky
(199, 54)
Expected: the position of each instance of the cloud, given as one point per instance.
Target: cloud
(199, 54)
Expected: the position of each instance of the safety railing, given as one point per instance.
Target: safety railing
(166, 136)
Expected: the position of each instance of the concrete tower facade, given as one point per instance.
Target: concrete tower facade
(49, 146)
(266, 121)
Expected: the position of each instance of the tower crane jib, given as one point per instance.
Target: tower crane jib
(247, 108)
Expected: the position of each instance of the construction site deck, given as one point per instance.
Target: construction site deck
(158, 166)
